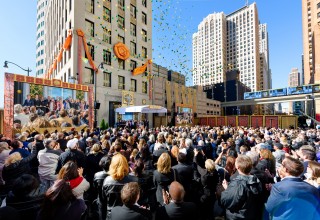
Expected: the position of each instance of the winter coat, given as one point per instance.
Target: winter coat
(241, 198)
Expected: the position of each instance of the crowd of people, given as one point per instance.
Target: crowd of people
(161, 173)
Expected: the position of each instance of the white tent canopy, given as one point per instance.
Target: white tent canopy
(142, 109)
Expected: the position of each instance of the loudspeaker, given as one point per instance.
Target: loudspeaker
(96, 105)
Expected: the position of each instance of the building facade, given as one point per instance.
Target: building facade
(104, 23)
(295, 80)
(226, 42)
(311, 40)
(40, 47)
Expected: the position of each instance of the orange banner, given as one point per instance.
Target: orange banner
(141, 69)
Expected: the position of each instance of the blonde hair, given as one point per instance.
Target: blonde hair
(175, 151)
(13, 158)
(210, 165)
(119, 167)
(96, 148)
(164, 163)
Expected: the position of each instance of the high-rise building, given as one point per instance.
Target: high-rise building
(311, 40)
(104, 23)
(40, 55)
(226, 42)
(265, 72)
(294, 80)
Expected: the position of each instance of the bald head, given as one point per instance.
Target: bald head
(177, 192)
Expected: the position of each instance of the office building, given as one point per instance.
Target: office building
(227, 42)
(294, 80)
(104, 23)
(40, 54)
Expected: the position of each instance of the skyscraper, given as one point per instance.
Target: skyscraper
(265, 71)
(40, 55)
(294, 80)
(311, 40)
(105, 24)
(226, 42)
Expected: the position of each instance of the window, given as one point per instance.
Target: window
(121, 39)
(121, 83)
(121, 64)
(133, 11)
(144, 35)
(120, 22)
(106, 79)
(91, 50)
(133, 48)
(106, 36)
(121, 4)
(318, 15)
(144, 87)
(107, 57)
(133, 65)
(144, 3)
(133, 30)
(106, 14)
(318, 5)
(144, 52)
(89, 28)
(89, 75)
(90, 6)
(144, 18)
(133, 87)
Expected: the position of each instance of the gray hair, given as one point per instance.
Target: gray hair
(17, 108)
(188, 142)
(254, 156)
(201, 143)
(152, 138)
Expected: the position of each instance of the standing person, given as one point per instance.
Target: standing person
(19, 115)
(73, 175)
(130, 210)
(292, 198)
(48, 161)
(28, 101)
(113, 184)
(313, 174)
(163, 176)
(242, 196)
(279, 154)
(176, 209)
(60, 203)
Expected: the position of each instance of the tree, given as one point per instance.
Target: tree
(103, 125)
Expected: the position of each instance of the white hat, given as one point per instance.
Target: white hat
(72, 143)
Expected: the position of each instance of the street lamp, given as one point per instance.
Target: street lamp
(96, 104)
(6, 66)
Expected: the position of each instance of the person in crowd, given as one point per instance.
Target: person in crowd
(98, 182)
(72, 154)
(130, 209)
(176, 208)
(185, 173)
(292, 198)
(73, 175)
(37, 101)
(112, 185)
(48, 161)
(28, 101)
(163, 176)
(306, 154)
(63, 117)
(278, 154)
(19, 115)
(313, 174)
(61, 203)
(242, 196)
(267, 161)
(4, 154)
(26, 196)
(15, 166)
(92, 167)
(17, 146)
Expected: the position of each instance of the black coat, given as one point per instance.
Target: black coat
(13, 171)
(111, 193)
(162, 181)
(71, 155)
(185, 173)
(92, 165)
(130, 213)
(177, 211)
(241, 198)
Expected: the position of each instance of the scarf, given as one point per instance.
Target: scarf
(75, 182)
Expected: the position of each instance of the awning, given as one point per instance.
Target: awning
(142, 109)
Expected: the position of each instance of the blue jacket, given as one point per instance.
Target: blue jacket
(292, 198)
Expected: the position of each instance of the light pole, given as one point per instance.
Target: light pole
(6, 66)
(95, 94)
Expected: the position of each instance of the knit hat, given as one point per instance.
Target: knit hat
(72, 143)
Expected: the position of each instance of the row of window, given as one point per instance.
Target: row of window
(121, 81)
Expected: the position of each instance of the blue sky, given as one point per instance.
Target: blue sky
(175, 22)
